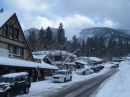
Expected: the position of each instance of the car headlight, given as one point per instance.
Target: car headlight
(1, 89)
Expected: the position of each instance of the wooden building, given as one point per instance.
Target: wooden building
(15, 55)
(57, 57)
(12, 37)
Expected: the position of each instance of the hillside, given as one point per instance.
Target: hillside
(102, 31)
(26, 32)
(90, 32)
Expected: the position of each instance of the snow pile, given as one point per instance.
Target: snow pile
(119, 84)
(95, 59)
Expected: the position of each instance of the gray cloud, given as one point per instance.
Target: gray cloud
(74, 14)
(115, 10)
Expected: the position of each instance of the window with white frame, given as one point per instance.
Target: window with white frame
(15, 50)
(11, 32)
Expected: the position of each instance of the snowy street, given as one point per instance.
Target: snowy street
(64, 48)
(118, 84)
(87, 87)
(46, 87)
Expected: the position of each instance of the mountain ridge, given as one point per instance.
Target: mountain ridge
(102, 32)
(90, 32)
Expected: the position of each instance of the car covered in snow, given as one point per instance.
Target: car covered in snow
(62, 76)
(14, 83)
(115, 65)
(84, 71)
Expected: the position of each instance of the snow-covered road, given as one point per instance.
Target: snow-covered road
(116, 86)
(46, 87)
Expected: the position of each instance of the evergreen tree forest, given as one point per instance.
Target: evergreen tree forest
(102, 47)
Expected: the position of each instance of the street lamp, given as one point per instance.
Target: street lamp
(90, 50)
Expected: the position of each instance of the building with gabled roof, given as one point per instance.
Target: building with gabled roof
(57, 57)
(12, 37)
(15, 55)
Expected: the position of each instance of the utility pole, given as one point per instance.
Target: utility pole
(64, 61)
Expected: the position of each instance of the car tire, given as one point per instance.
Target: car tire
(64, 80)
(26, 90)
(83, 73)
(8, 94)
(71, 78)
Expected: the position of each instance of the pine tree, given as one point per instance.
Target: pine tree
(82, 49)
(78, 53)
(119, 47)
(74, 43)
(49, 38)
(102, 47)
(61, 39)
(41, 38)
(110, 48)
(31, 39)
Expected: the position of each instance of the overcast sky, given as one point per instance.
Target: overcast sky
(75, 15)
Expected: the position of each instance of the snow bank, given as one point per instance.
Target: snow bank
(119, 84)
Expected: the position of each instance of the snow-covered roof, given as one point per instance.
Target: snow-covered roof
(4, 17)
(53, 53)
(127, 57)
(35, 57)
(95, 59)
(23, 63)
(39, 56)
(63, 70)
(85, 57)
(68, 63)
(14, 74)
(82, 62)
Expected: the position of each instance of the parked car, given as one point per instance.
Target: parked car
(115, 66)
(62, 76)
(100, 67)
(85, 71)
(14, 83)
(95, 69)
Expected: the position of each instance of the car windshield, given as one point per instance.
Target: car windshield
(60, 72)
(6, 80)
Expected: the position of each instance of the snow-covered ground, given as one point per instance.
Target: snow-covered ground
(117, 85)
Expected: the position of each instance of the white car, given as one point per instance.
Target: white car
(85, 72)
(62, 76)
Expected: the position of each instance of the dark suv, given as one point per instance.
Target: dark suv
(13, 83)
